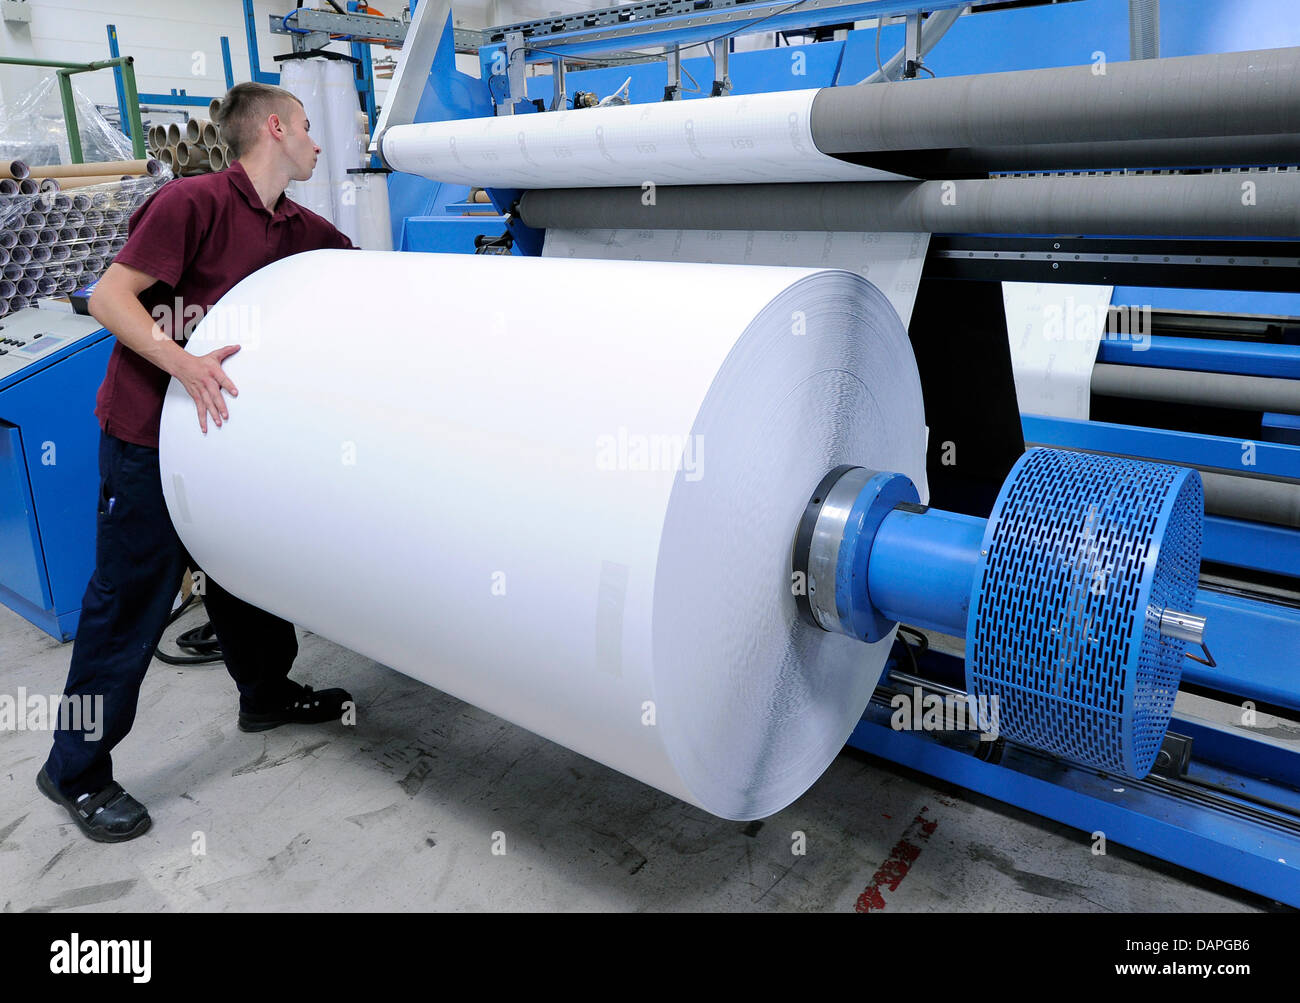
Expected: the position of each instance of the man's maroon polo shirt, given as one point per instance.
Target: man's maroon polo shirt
(198, 237)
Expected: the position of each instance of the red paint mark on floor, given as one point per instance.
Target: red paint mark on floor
(897, 864)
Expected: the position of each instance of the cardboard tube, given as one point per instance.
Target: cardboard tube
(216, 160)
(8, 186)
(184, 153)
(35, 220)
(114, 168)
(194, 130)
(14, 169)
(28, 187)
(214, 109)
(91, 181)
(49, 185)
(210, 135)
(168, 156)
(174, 134)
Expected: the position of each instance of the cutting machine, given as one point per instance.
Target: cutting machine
(1070, 592)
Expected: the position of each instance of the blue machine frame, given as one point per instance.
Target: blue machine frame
(47, 515)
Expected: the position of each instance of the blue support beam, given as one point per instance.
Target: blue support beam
(1202, 355)
(118, 84)
(225, 62)
(1186, 448)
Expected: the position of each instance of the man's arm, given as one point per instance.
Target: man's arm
(115, 303)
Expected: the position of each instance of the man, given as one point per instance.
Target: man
(191, 242)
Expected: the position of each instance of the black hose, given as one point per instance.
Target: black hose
(201, 640)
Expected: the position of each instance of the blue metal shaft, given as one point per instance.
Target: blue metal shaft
(922, 568)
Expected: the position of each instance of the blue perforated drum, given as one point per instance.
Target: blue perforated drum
(1081, 556)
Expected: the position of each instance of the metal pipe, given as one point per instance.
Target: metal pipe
(1203, 205)
(1144, 29)
(1226, 94)
(1243, 393)
(923, 566)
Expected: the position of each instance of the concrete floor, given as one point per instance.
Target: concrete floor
(402, 812)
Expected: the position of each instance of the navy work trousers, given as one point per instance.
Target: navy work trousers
(139, 561)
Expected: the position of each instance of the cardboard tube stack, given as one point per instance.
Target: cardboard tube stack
(194, 147)
(62, 224)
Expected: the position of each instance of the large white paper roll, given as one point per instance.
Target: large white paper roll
(564, 491)
(744, 139)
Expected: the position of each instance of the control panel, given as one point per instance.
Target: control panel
(29, 336)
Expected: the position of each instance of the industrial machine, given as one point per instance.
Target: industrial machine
(1122, 608)
(51, 364)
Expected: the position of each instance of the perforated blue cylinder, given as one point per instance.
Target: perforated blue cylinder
(1081, 555)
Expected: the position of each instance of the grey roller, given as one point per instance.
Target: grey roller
(1200, 152)
(1201, 205)
(1228, 390)
(1226, 94)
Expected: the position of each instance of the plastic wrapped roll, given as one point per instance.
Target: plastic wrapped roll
(13, 271)
(638, 606)
(7, 289)
(59, 252)
(20, 254)
(26, 286)
(17, 303)
(8, 238)
(46, 285)
(27, 237)
(41, 253)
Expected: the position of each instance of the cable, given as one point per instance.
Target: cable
(200, 639)
(922, 66)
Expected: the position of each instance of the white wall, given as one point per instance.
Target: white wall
(176, 42)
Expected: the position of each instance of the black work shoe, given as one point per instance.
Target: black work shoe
(110, 816)
(302, 706)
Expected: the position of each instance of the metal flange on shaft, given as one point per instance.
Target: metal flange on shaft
(1074, 597)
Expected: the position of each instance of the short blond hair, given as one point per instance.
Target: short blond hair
(244, 109)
